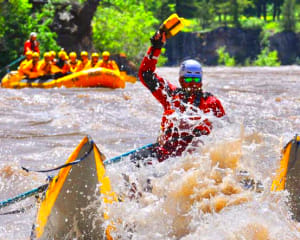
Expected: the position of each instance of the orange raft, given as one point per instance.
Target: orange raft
(94, 77)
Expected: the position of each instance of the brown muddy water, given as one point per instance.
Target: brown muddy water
(196, 196)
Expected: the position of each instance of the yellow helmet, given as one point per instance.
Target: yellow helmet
(28, 53)
(53, 53)
(35, 54)
(62, 53)
(105, 54)
(47, 55)
(84, 53)
(73, 54)
(95, 54)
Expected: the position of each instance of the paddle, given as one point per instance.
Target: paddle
(119, 158)
(43, 187)
(24, 195)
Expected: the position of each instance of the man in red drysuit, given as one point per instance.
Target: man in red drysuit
(32, 44)
(185, 107)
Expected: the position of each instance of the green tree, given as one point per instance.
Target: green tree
(13, 29)
(186, 9)
(267, 58)
(236, 9)
(289, 19)
(160, 9)
(276, 9)
(222, 10)
(205, 13)
(261, 8)
(40, 22)
(224, 57)
(16, 22)
(125, 26)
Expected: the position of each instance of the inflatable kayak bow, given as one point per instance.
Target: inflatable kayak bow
(289, 165)
(288, 175)
(71, 201)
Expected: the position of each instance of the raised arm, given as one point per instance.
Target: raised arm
(159, 87)
(148, 65)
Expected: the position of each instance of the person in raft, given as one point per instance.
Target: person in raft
(184, 106)
(32, 44)
(106, 62)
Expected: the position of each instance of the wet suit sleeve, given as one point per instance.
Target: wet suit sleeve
(159, 88)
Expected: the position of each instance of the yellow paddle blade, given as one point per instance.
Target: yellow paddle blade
(173, 24)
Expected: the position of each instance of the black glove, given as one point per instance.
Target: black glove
(156, 41)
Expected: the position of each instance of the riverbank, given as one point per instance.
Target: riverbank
(242, 44)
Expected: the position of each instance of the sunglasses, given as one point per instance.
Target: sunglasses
(190, 79)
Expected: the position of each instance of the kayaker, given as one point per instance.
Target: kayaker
(184, 107)
(32, 44)
(107, 63)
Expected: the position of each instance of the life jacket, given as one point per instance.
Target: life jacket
(63, 65)
(74, 65)
(31, 69)
(22, 65)
(84, 65)
(45, 67)
(110, 64)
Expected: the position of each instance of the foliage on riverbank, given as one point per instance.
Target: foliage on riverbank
(126, 25)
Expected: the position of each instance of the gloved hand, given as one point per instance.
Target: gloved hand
(198, 132)
(158, 39)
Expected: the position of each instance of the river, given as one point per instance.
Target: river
(196, 196)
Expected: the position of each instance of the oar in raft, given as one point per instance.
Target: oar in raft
(120, 157)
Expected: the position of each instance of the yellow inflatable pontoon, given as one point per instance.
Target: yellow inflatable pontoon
(94, 77)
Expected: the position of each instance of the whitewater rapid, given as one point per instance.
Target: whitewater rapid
(196, 196)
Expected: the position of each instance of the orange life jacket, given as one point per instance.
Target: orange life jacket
(110, 64)
(74, 65)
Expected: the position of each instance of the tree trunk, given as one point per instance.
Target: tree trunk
(258, 8)
(73, 26)
(86, 15)
(274, 9)
(235, 13)
(265, 10)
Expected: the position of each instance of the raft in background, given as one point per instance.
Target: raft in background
(288, 175)
(94, 77)
(71, 203)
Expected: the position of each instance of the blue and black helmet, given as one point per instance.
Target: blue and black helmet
(190, 68)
